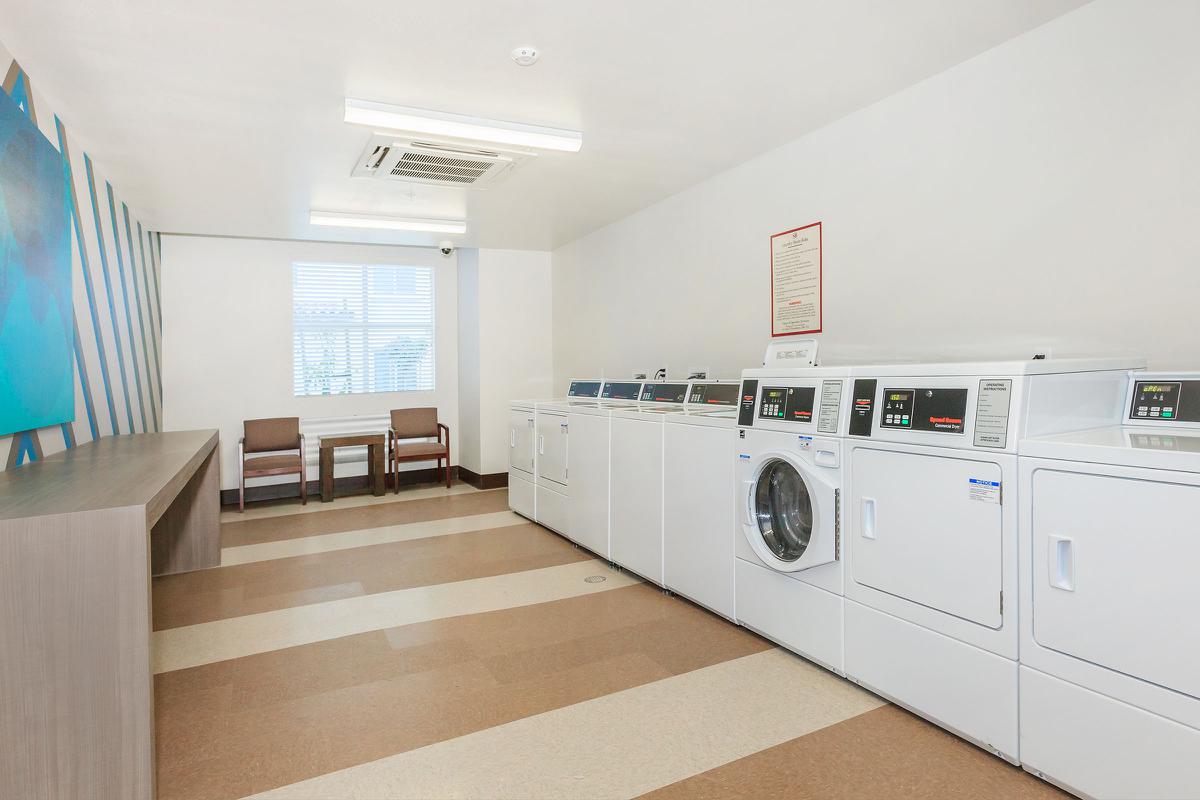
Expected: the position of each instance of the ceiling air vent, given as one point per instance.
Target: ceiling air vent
(440, 163)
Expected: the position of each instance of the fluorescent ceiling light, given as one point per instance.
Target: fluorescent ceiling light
(457, 126)
(339, 220)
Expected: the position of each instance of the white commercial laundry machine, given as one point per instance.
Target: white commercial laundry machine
(636, 478)
(1110, 642)
(698, 501)
(572, 444)
(522, 446)
(788, 458)
(930, 529)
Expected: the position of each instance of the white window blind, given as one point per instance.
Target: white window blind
(362, 328)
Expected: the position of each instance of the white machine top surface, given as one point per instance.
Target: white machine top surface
(713, 418)
(797, 372)
(1041, 366)
(1122, 445)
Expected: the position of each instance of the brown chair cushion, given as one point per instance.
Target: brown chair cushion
(277, 433)
(273, 462)
(415, 423)
(414, 449)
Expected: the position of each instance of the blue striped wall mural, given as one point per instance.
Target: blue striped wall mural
(118, 320)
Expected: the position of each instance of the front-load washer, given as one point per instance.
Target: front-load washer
(698, 500)
(787, 496)
(522, 444)
(931, 528)
(579, 512)
(1110, 645)
(636, 478)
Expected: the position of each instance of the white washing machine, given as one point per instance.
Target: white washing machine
(788, 490)
(698, 502)
(1110, 643)
(636, 478)
(581, 512)
(522, 446)
(931, 528)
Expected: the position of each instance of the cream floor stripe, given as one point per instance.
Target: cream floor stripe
(617, 746)
(220, 640)
(328, 542)
(284, 509)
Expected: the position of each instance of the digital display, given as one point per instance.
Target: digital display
(664, 392)
(621, 391)
(714, 394)
(1155, 401)
(584, 389)
(790, 403)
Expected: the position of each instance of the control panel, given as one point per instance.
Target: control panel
(1157, 399)
(664, 392)
(897, 408)
(714, 394)
(933, 409)
(788, 403)
(584, 389)
(620, 390)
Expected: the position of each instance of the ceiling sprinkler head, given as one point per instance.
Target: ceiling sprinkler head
(525, 56)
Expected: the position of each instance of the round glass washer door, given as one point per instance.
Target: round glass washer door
(783, 510)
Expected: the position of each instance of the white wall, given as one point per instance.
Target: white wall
(470, 453)
(227, 337)
(1045, 194)
(508, 293)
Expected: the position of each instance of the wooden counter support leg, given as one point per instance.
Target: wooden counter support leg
(77, 717)
(188, 535)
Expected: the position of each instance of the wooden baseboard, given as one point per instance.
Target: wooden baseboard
(349, 484)
(493, 480)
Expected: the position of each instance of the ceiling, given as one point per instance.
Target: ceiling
(222, 117)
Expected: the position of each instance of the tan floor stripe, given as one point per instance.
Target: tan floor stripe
(178, 648)
(208, 595)
(615, 746)
(338, 520)
(885, 753)
(233, 728)
(287, 506)
(324, 543)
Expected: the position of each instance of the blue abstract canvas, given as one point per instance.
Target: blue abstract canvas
(36, 334)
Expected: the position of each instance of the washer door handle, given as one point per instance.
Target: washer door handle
(868, 517)
(749, 504)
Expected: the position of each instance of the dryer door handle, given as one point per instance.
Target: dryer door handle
(1060, 563)
(868, 517)
(541, 444)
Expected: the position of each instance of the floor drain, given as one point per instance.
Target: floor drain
(595, 579)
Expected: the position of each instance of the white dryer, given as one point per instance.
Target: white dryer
(698, 503)
(579, 512)
(522, 446)
(788, 490)
(931, 528)
(1110, 643)
(636, 478)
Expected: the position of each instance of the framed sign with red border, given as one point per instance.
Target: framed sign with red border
(796, 285)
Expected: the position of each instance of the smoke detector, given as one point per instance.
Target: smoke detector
(429, 161)
(525, 56)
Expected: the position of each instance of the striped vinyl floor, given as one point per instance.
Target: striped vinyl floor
(435, 645)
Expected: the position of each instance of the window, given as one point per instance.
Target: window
(359, 329)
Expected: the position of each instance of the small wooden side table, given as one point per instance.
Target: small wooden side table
(375, 444)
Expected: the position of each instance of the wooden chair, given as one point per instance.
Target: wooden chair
(271, 436)
(417, 423)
